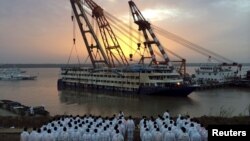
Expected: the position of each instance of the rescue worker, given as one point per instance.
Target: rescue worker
(169, 135)
(63, 136)
(118, 136)
(49, 136)
(183, 136)
(130, 129)
(33, 134)
(147, 136)
(24, 135)
(39, 135)
(157, 135)
(87, 136)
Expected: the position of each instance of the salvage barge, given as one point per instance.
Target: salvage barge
(111, 70)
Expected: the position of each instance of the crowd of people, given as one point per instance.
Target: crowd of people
(85, 128)
(117, 128)
(164, 128)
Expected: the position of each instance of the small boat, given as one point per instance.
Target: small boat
(15, 74)
(23, 110)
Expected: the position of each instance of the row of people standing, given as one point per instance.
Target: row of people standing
(86, 128)
(164, 128)
(117, 128)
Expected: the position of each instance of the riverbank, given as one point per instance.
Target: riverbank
(30, 122)
(11, 127)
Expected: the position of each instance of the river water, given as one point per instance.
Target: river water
(43, 91)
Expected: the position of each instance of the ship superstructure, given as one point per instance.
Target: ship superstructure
(217, 73)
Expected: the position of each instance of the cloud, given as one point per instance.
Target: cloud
(44, 26)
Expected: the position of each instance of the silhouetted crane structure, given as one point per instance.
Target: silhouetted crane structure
(145, 28)
(86, 31)
(112, 55)
(111, 44)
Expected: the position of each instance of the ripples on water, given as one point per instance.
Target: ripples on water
(43, 91)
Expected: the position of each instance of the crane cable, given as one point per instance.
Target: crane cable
(114, 20)
(191, 45)
(127, 31)
(74, 41)
(181, 41)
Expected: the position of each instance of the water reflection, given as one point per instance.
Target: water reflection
(107, 104)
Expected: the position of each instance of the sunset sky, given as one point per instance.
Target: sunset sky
(40, 31)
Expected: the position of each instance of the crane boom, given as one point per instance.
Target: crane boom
(87, 31)
(110, 41)
(145, 27)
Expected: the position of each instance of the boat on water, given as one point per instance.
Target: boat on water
(214, 73)
(153, 77)
(136, 79)
(15, 74)
(244, 82)
(23, 110)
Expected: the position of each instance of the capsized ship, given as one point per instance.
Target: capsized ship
(111, 70)
(136, 79)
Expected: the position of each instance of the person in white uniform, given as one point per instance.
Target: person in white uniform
(118, 136)
(130, 129)
(169, 135)
(49, 136)
(147, 136)
(33, 135)
(87, 136)
(64, 135)
(39, 135)
(183, 136)
(24, 135)
(157, 135)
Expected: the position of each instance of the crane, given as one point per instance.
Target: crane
(109, 38)
(145, 27)
(87, 31)
(113, 54)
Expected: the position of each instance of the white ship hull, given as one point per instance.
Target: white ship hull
(136, 79)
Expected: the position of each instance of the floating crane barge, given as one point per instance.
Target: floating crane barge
(111, 70)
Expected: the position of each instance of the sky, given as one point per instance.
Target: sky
(40, 31)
